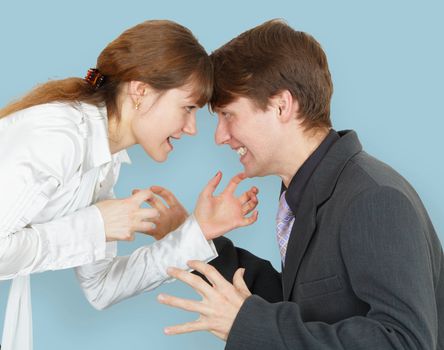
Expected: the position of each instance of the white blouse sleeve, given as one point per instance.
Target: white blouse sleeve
(35, 160)
(111, 280)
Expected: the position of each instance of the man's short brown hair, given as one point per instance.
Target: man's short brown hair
(270, 58)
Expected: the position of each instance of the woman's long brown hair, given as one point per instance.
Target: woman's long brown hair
(161, 53)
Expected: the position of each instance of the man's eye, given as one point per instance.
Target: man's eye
(189, 108)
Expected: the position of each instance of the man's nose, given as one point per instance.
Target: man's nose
(222, 135)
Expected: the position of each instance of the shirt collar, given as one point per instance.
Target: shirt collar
(95, 128)
(298, 182)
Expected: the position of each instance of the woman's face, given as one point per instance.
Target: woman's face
(164, 117)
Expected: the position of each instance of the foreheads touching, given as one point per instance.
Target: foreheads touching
(271, 58)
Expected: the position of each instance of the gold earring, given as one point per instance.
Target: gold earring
(137, 104)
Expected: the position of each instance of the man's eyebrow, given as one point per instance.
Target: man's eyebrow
(223, 109)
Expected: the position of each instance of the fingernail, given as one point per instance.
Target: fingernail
(166, 331)
(160, 297)
(217, 173)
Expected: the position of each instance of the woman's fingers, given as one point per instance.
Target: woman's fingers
(146, 214)
(247, 195)
(154, 201)
(248, 207)
(145, 227)
(246, 221)
(212, 185)
(234, 182)
(140, 196)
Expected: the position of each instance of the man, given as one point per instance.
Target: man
(362, 267)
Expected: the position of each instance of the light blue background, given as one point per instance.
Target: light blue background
(386, 58)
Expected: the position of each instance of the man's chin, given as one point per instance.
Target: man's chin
(250, 171)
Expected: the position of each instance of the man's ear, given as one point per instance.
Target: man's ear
(287, 107)
(137, 89)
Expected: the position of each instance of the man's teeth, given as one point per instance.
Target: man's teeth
(242, 151)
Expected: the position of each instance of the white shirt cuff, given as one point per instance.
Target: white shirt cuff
(72, 240)
(186, 243)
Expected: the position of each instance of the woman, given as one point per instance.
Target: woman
(61, 147)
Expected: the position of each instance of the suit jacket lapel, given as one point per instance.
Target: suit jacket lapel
(301, 233)
(318, 189)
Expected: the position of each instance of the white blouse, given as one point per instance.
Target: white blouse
(55, 163)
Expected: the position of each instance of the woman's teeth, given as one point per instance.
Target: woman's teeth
(242, 151)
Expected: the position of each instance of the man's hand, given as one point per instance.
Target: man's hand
(220, 304)
(170, 217)
(220, 214)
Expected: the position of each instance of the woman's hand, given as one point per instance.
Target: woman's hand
(220, 214)
(124, 217)
(171, 216)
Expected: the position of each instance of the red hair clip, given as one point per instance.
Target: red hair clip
(95, 78)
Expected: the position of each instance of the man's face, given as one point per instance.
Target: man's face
(252, 133)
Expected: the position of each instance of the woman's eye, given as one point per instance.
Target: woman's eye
(189, 108)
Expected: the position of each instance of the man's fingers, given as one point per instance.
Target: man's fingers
(196, 282)
(239, 282)
(167, 195)
(186, 328)
(212, 185)
(184, 304)
(154, 201)
(210, 272)
(157, 203)
(234, 182)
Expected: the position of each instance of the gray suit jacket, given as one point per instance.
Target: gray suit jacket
(364, 267)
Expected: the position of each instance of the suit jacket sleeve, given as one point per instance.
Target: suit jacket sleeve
(260, 276)
(388, 261)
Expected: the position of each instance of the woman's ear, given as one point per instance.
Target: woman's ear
(137, 89)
